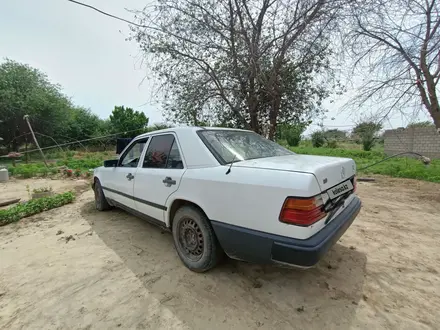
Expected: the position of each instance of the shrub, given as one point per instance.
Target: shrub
(318, 139)
(367, 132)
(34, 206)
(368, 141)
(290, 133)
(89, 161)
(69, 154)
(293, 138)
(332, 144)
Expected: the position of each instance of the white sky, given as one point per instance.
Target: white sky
(87, 54)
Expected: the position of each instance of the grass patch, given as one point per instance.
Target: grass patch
(80, 163)
(34, 206)
(399, 167)
(31, 170)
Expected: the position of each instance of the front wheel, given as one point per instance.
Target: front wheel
(195, 240)
(101, 203)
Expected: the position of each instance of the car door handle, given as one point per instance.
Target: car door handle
(168, 181)
(130, 176)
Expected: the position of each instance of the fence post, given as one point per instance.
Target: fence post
(26, 117)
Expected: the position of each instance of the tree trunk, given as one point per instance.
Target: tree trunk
(429, 95)
(15, 145)
(252, 104)
(273, 116)
(434, 111)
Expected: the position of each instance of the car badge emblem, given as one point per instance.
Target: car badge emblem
(343, 173)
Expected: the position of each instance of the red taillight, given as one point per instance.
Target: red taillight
(302, 211)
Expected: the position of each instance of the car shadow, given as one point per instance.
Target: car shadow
(235, 294)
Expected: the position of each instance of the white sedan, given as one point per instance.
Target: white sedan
(229, 191)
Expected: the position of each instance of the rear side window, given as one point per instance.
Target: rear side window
(174, 159)
(163, 152)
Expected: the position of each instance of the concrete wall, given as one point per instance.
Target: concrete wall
(424, 140)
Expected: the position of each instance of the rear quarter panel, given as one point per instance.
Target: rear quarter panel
(249, 198)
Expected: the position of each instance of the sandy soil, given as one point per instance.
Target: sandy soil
(121, 272)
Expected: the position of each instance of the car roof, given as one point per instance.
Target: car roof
(189, 128)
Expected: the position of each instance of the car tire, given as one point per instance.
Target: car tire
(101, 202)
(195, 240)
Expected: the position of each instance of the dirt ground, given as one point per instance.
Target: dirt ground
(17, 188)
(117, 271)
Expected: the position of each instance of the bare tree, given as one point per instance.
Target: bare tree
(246, 63)
(396, 44)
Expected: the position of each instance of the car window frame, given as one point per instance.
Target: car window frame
(127, 149)
(163, 168)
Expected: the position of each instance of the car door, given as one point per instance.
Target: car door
(159, 176)
(118, 181)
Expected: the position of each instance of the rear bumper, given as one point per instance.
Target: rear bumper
(258, 247)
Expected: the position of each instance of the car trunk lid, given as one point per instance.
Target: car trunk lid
(329, 171)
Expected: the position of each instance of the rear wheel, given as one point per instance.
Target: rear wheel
(101, 203)
(195, 240)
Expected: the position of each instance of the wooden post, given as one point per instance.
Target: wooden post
(1, 139)
(26, 156)
(26, 117)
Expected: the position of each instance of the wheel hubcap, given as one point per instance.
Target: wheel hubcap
(191, 239)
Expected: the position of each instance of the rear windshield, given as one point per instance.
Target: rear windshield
(233, 146)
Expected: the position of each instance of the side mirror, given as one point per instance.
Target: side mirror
(111, 163)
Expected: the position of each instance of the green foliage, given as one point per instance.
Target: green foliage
(332, 144)
(367, 126)
(290, 133)
(421, 124)
(157, 127)
(81, 165)
(367, 133)
(338, 152)
(318, 139)
(28, 91)
(335, 134)
(127, 120)
(28, 170)
(396, 167)
(34, 206)
(82, 124)
(248, 77)
(368, 142)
